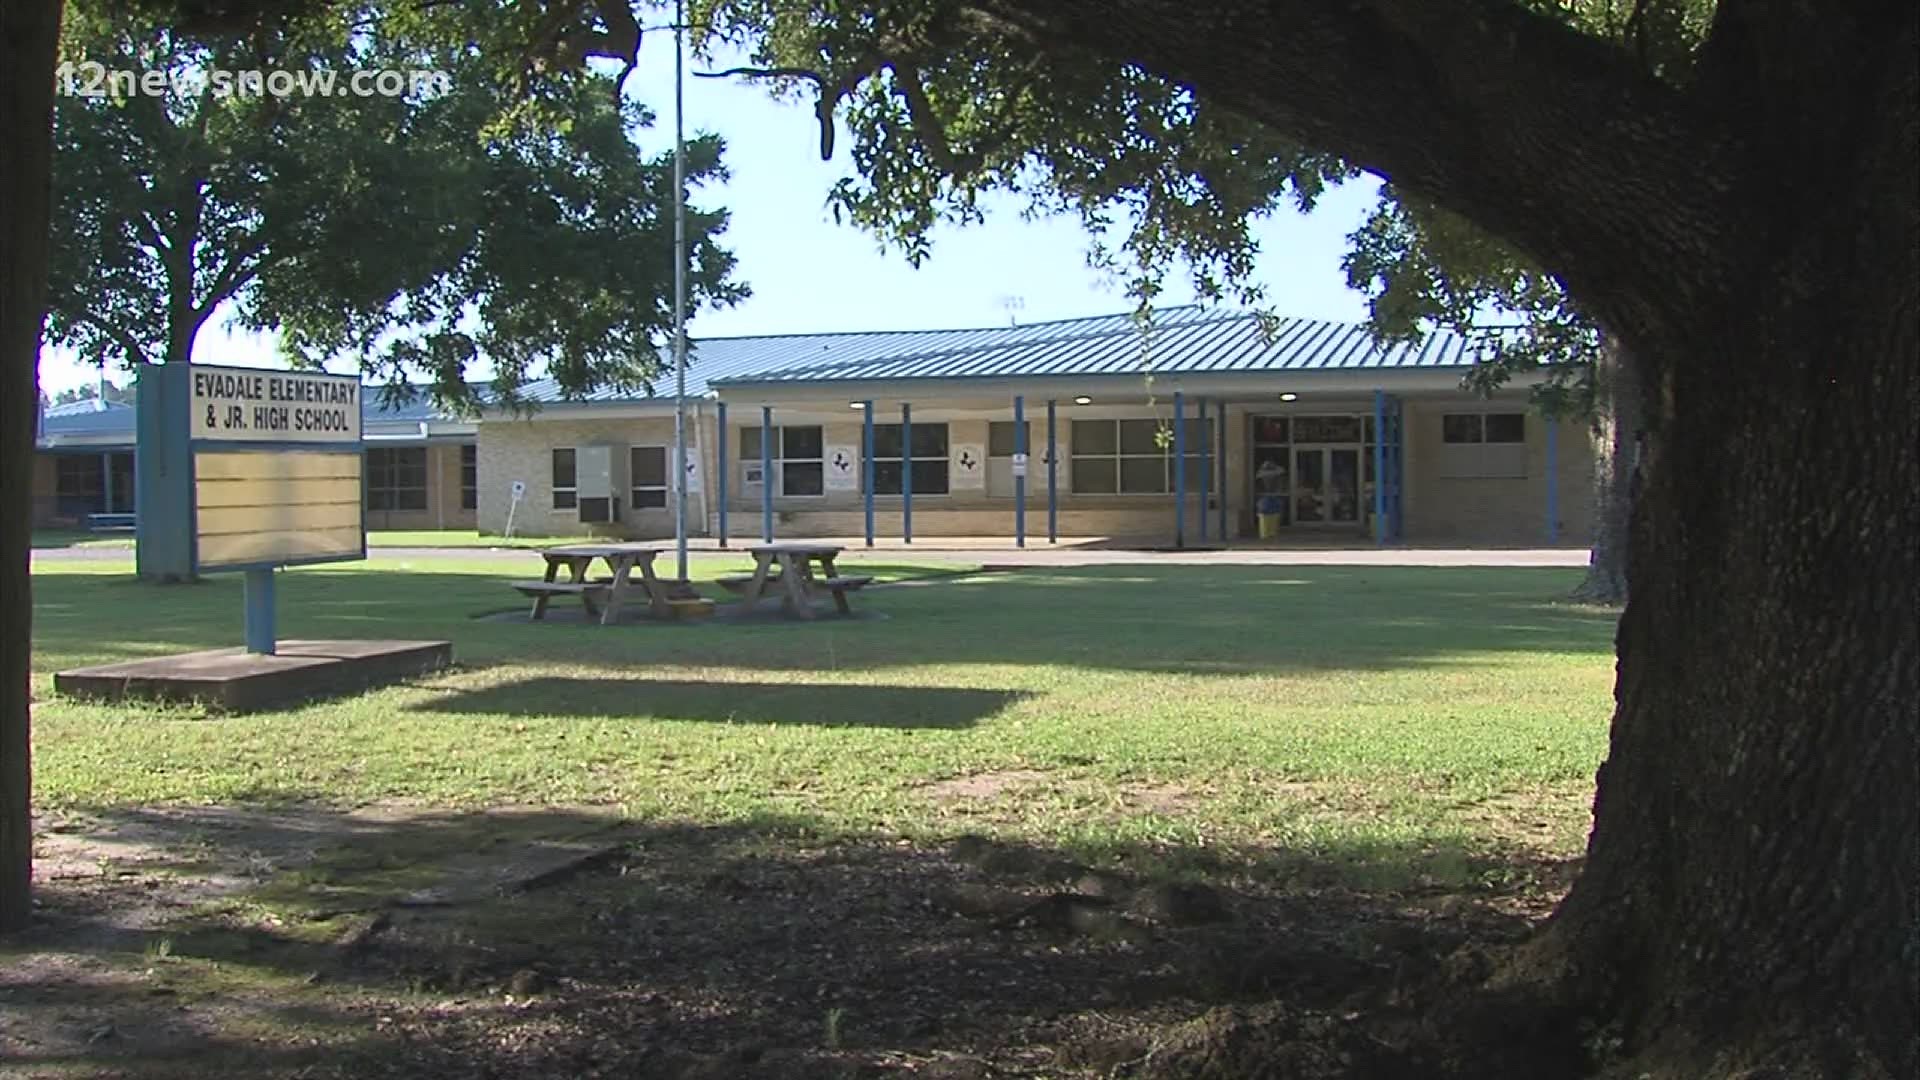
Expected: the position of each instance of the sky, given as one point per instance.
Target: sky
(810, 275)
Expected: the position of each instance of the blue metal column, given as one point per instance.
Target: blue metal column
(1020, 474)
(1179, 470)
(720, 418)
(259, 612)
(1380, 467)
(1053, 466)
(1206, 470)
(106, 483)
(866, 463)
(1399, 470)
(1220, 436)
(1553, 481)
(906, 473)
(766, 473)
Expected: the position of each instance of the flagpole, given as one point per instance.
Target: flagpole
(679, 295)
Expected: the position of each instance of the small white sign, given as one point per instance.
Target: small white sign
(843, 468)
(253, 405)
(693, 472)
(967, 466)
(1019, 465)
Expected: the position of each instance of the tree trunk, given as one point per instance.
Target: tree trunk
(1616, 443)
(1751, 897)
(28, 32)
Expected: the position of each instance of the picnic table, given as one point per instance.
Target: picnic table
(602, 597)
(789, 568)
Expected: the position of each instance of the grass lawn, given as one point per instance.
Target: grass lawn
(1377, 734)
(1373, 714)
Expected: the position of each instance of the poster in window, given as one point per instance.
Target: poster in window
(843, 468)
(969, 466)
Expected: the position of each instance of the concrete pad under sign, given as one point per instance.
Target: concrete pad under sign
(238, 681)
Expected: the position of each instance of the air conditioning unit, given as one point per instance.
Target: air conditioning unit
(593, 475)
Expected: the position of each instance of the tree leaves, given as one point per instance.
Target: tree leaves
(496, 220)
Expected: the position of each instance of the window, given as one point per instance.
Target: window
(77, 483)
(1001, 439)
(566, 490)
(1483, 428)
(1000, 448)
(1326, 429)
(397, 478)
(929, 459)
(798, 458)
(1483, 446)
(469, 477)
(647, 467)
(1127, 457)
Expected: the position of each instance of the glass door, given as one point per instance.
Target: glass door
(1326, 488)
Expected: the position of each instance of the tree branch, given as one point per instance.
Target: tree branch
(831, 92)
(123, 337)
(1558, 142)
(239, 269)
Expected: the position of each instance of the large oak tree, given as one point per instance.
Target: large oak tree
(1745, 217)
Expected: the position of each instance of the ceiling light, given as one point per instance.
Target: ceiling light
(1289, 397)
(856, 404)
(1083, 400)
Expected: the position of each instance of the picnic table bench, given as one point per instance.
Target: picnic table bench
(602, 597)
(102, 523)
(789, 568)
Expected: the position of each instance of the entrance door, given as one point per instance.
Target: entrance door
(1326, 485)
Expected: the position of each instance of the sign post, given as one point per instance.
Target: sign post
(513, 506)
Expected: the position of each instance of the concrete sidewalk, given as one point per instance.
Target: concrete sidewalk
(997, 552)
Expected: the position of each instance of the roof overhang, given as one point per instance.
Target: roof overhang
(1224, 385)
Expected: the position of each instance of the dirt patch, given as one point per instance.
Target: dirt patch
(1159, 798)
(701, 952)
(986, 785)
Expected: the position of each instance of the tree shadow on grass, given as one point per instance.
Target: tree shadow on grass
(1255, 620)
(813, 704)
(763, 948)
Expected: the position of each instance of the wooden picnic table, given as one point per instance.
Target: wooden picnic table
(604, 597)
(789, 567)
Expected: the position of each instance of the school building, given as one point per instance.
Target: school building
(1071, 429)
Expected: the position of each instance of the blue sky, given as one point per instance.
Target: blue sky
(809, 274)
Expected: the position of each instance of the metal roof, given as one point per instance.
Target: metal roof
(87, 418)
(713, 363)
(1189, 340)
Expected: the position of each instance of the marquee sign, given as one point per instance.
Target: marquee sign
(235, 405)
(245, 469)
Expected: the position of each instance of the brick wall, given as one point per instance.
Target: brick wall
(522, 449)
(1438, 508)
(1442, 509)
(44, 491)
(443, 497)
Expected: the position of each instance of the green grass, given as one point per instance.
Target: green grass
(1388, 723)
